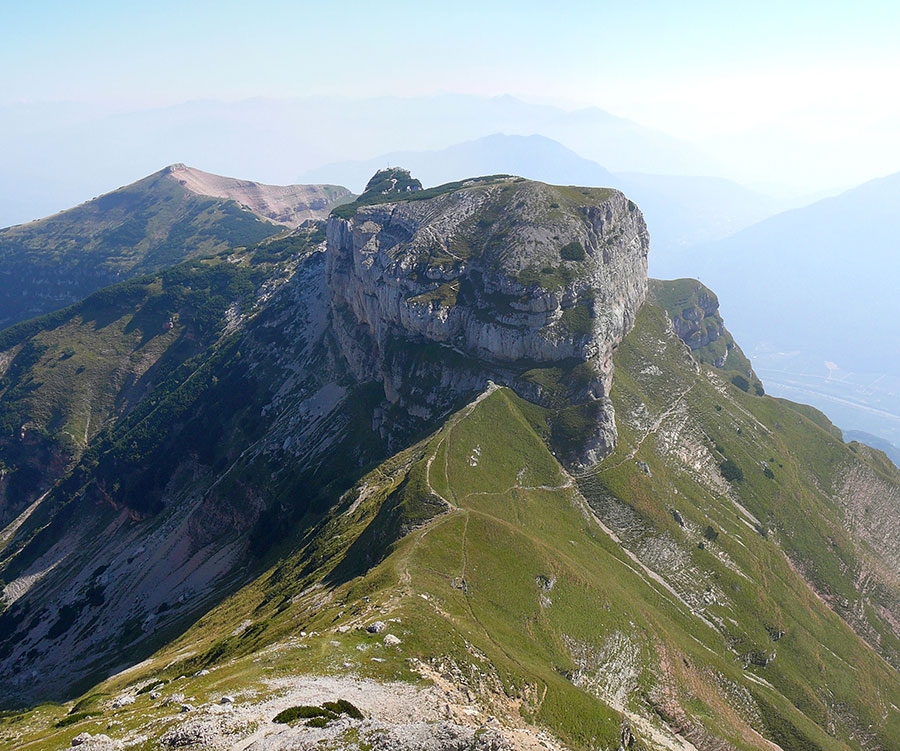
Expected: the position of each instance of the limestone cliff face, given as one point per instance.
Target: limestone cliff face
(693, 310)
(510, 274)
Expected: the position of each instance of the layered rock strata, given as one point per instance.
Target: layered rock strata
(502, 277)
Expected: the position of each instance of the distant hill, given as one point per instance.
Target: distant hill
(174, 214)
(67, 375)
(680, 211)
(822, 279)
(290, 205)
(683, 211)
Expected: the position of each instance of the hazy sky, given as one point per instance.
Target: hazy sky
(805, 82)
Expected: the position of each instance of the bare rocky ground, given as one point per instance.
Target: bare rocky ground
(289, 205)
(397, 717)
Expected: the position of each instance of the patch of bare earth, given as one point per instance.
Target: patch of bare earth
(290, 205)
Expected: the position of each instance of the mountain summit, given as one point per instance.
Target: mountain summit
(289, 205)
(506, 276)
(167, 217)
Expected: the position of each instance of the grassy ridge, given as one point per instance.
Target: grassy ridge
(768, 616)
(134, 230)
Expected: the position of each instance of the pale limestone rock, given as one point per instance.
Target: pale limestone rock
(480, 272)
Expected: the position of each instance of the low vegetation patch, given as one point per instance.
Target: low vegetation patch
(573, 251)
(548, 277)
(342, 706)
(71, 719)
(742, 383)
(318, 717)
(302, 712)
(731, 471)
(577, 319)
(348, 210)
(152, 686)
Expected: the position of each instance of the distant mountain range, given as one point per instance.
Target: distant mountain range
(680, 210)
(55, 156)
(812, 294)
(535, 157)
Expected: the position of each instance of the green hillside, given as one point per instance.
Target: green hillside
(140, 228)
(648, 603)
(66, 377)
(292, 495)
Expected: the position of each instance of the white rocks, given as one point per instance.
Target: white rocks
(497, 295)
(391, 641)
(99, 742)
(376, 628)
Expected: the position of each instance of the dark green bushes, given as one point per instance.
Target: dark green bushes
(731, 471)
(318, 717)
(742, 383)
(710, 533)
(342, 706)
(77, 717)
(572, 252)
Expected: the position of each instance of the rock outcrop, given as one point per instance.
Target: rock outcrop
(700, 324)
(512, 275)
(693, 310)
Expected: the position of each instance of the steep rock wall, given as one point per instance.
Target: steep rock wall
(511, 275)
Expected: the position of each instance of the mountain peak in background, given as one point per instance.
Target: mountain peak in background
(174, 214)
(535, 157)
(289, 205)
(680, 210)
(812, 295)
(56, 156)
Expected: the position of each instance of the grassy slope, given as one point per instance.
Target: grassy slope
(134, 230)
(820, 666)
(506, 581)
(73, 373)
